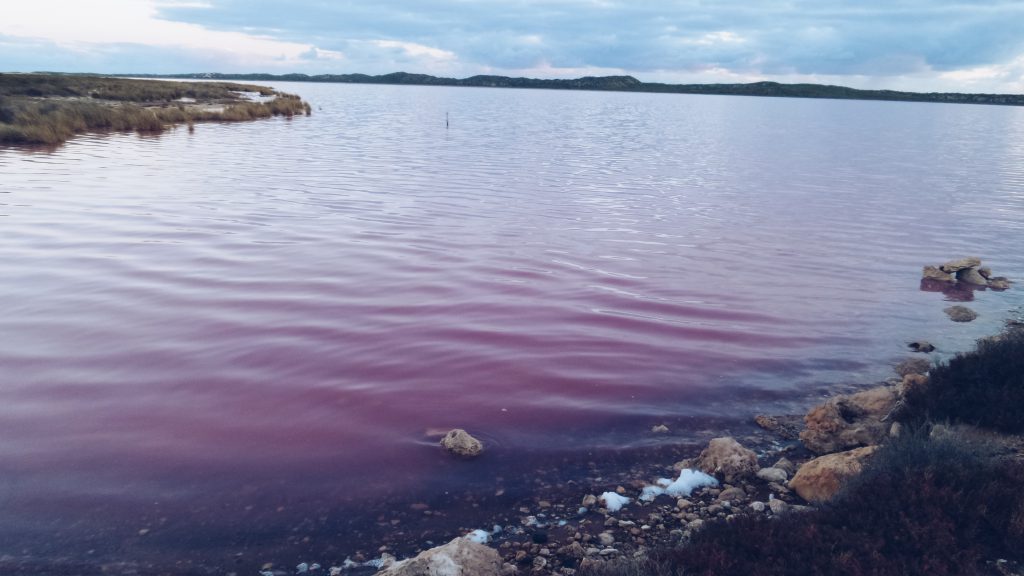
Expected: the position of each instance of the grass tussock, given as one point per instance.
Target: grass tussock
(982, 388)
(921, 507)
(50, 109)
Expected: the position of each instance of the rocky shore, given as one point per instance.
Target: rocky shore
(796, 466)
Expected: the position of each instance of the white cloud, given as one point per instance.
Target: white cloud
(716, 38)
(995, 77)
(544, 69)
(93, 25)
(415, 50)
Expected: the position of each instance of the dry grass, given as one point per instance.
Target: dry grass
(42, 109)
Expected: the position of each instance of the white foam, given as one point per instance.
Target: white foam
(613, 502)
(688, 481)
(478, 536)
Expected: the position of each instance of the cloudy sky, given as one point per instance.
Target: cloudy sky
(963, 46)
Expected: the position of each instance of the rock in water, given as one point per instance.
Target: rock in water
(999, 283)
(787, 427)
(820, 479)
(846, 422)
(727, 458)
(921, 346)
(460, 557)
(954, 266)
(460, 443)
(971, 276)
(960, 313)
(933, 273)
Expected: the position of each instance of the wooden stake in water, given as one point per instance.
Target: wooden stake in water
(445, 119)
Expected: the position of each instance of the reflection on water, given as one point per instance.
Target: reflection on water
(215, 337)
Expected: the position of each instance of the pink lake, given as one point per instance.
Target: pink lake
(218, 337)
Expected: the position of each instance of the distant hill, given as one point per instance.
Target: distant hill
(622, 84)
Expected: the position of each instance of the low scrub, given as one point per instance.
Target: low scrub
(921, 507)
(983, 388)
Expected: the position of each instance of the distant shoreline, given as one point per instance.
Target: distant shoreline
(618, 84)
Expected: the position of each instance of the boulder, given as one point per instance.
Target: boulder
(933, 273)
(960, 313)
(725, 457)
(848, 421)
(460, 557)
(820, 479)
(954, 266)
(971, 276)
(460, 443)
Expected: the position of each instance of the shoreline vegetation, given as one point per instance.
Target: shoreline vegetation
(621, 84)
(49, 109)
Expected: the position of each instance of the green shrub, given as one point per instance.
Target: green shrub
(984, 387)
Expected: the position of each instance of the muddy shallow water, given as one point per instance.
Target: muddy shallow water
(243, 339)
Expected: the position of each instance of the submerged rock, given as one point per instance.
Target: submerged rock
(787, 427)
(820, 479)
(725, 457)
(460, 557)
(921, 346)
(999, 283)
(960, 313)
(460, 443)
(848, 421)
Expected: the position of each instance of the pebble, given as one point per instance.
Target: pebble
(772, 474)
(757, 506)
(606, 538)
(777, 506)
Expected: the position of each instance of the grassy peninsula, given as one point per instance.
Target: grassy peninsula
(630, 84)
(48, 109)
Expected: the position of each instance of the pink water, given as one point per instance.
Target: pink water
(198, 332)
